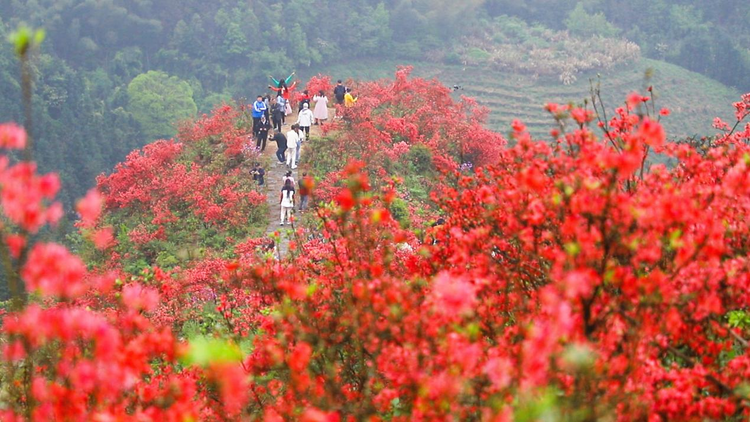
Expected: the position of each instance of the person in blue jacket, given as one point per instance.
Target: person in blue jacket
(259, 109)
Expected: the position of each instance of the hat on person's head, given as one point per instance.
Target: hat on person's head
(305, 105)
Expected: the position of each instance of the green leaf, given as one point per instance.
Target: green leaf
(205, 351)
(25, 38)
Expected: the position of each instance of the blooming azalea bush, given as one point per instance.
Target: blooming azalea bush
(320, 83)
(570, 280)
(406, 131)
(79, 344)
(181, 199)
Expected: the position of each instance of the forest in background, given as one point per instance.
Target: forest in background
(99, 73)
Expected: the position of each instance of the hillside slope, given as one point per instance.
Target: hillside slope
(693, 98)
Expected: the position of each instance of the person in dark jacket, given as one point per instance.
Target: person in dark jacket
(279, 110)
(280, 140)
(258, 174)
(339, 91)
(304, 98)
(262, 133)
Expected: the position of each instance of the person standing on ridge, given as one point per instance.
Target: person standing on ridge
(292, 142)
(259, 108)
(278, 83)
(267, 102)
(304, 98)
(287, 202)
(280, 140)
(339, 92)
(300, 141)
(262, 133)
(277, 113)
(321, 108)
(305, 119)
(349, 99)
(286, 93)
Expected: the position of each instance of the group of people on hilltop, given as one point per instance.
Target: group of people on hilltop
(269, 117)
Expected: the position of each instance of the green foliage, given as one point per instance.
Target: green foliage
(158, 101)
(583, 24)
(205, 351)
(420, 158)
(477, 55)
(25, 39)
(738, 319)
(400, 211)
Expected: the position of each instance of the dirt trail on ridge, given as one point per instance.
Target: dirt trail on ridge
(274, 182)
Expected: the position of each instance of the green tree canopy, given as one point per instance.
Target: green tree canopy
(584, 24)
(157, 100)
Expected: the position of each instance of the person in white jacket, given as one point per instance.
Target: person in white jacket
(305, 119)
(292, 142)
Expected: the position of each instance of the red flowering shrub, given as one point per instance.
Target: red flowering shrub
(178, 199)
(320, 83)
(568, 280)
(75, 346)
(406, 131)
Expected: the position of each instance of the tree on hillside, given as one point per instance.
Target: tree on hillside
(584, 24)
(158, 100)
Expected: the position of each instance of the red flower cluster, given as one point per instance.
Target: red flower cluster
(568, 279)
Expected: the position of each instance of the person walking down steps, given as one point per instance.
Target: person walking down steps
(305, 188)
(287, 202)
(292, 142)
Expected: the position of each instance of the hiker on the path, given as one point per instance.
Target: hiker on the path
(287, 202)
(280, 140)
(321, 108)
(303, 98)
(277, 117)
(305, 188)
(259, 107)
(278, 83)
(305, 119)
(339, 91)
(258, 174)
(262, 133)
(292, 142)
(300, 141)
(349, 99)
(287, 176)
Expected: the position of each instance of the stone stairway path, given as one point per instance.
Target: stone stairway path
(274, 182)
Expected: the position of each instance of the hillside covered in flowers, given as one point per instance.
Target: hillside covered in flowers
(445, 272)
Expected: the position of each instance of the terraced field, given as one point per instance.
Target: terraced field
(693, 99)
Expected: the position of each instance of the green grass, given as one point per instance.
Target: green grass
(693, 99)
